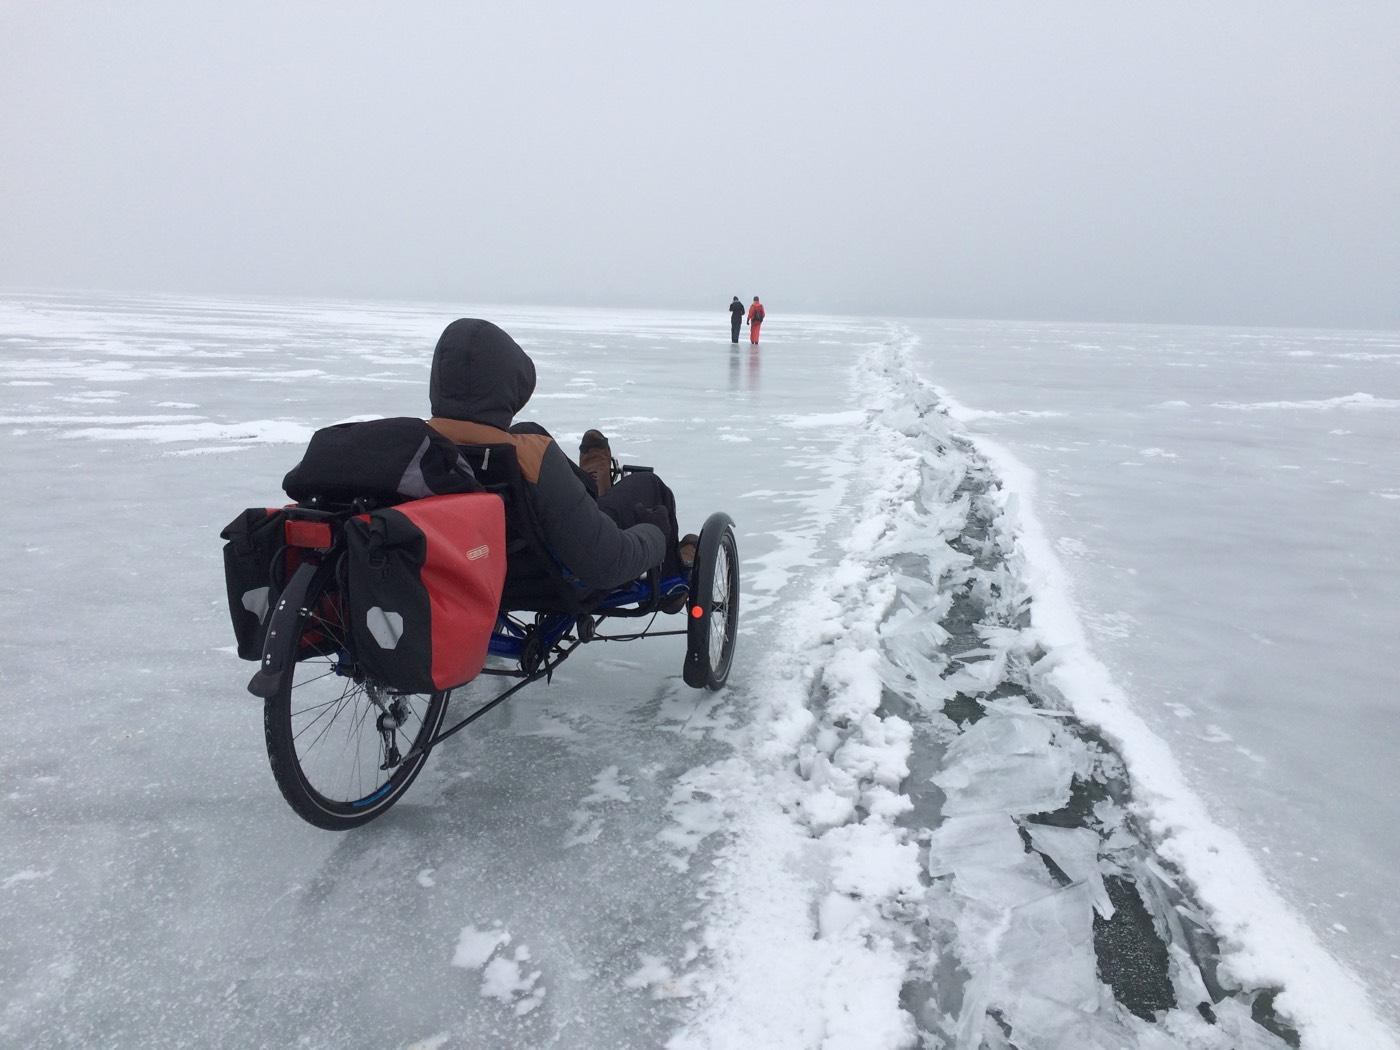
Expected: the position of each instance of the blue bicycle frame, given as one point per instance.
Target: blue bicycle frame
(509, 638)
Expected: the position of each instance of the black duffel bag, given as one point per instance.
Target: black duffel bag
(388, 460)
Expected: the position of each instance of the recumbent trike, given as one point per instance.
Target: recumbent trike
(346, 732)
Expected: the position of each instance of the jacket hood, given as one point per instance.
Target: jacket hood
(480, 374)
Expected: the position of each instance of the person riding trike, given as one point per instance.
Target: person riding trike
(419, 556)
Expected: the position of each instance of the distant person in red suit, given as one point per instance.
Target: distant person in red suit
(755, 320)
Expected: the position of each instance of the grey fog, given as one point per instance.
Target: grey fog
(1185, 162)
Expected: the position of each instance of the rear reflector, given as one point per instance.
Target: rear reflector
(308, 534)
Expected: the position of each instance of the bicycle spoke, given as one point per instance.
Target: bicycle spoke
(324, 674)
(334, 716)
(313, 707)
(325, 709)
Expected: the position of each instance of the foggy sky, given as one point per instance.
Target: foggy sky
(1165, 161)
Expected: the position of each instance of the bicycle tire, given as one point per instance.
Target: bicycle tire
(713, 613)
(333, 777)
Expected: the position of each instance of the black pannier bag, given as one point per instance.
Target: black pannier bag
(254, 540)
(388, 460)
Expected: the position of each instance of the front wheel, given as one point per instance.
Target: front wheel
(713, 611)
(339, 742)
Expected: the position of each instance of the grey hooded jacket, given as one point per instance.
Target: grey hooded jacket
(480, 380)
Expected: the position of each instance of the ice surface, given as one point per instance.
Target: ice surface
(1047, 960)
(735, 869)
(1075, 851)
(587, 826)
(157, 890)
(987, 859)
(1009, 763)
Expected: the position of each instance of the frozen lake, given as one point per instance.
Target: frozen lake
(877, 836)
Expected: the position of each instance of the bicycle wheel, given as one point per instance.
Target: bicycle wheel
(714, 607)
(335, 738)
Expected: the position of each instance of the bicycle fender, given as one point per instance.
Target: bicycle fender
(283, 633)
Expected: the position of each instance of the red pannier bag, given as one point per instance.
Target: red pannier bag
(423, 585)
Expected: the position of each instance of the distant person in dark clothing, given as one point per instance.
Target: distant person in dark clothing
(736, 319)
(756, 314)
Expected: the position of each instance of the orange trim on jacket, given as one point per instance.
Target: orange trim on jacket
(529, 448)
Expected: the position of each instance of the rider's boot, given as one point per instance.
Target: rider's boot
(687, 547)
(674, 601)
(595, 458)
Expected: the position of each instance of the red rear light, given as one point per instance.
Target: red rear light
(315, 534)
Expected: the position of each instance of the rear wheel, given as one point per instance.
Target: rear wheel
(336, 739)
(713, 610)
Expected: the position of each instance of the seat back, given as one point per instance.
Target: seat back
(536, 581)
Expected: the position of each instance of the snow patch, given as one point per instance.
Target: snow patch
(505, 976)
(25, 875)
(508, 980)
(258, 431)
(1355, 401)
(476, 946)
(821, 420)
